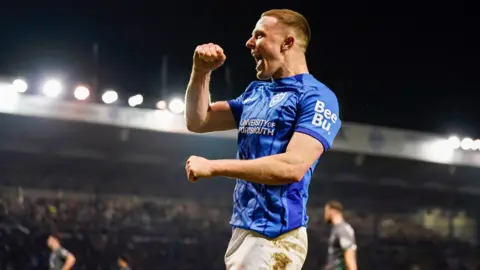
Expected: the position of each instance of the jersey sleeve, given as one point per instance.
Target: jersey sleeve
(346, 237)
(236, 106)
(63, 253)
(318, 116)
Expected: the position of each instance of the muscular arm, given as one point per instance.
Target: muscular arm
(280, 169)
(200, 116)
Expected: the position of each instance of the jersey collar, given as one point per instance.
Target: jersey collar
(304, 78)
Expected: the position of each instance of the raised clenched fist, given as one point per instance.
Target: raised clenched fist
(208, 57)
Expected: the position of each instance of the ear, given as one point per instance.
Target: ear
(288, 43)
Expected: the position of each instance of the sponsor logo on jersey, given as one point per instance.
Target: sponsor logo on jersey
(323, 117)
(257, 126)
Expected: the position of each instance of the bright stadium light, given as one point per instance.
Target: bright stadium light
(476, 144)
(135, 100)
(20, 85)
(81, 93)
(466, 144)
(8, 95)
(440, 151)
(162, 105)
(52, 88)
(176, 105)
(6, 90)
(109, 97)
(454, 142)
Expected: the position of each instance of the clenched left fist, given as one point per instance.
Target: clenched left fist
(198, 167)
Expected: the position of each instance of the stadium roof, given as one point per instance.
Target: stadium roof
(353, 138)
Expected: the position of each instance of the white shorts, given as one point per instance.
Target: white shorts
(249, 250)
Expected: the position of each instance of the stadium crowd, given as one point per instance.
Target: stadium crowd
(169, 233)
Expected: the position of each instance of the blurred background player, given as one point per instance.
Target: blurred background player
(341, 244)
(285, 125)
(123, 263)
(60, 258)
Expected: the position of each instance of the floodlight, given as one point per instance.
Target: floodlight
(176, 105)
(20, 85)
(81, 93)
(109, 97)
(135, 100)
(52, 88)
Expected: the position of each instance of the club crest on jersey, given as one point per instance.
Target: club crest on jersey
(277, 98)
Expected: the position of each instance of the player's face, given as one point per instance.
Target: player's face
(266, 44)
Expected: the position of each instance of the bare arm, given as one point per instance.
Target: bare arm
(69, 262)
(350, 259)
(280, 169)
(200, 116)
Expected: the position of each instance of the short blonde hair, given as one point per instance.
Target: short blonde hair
(294, 20)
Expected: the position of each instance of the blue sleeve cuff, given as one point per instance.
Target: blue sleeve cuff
(235, 108)
(315, 135)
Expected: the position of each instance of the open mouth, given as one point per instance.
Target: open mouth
(259, 60)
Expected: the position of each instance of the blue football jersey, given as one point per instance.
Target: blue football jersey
(267, 115)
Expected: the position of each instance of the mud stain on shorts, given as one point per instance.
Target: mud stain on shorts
(280, 261)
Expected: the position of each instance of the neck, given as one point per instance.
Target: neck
(337, 220)
(294, 64)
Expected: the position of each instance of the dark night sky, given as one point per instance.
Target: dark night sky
(394, 63)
